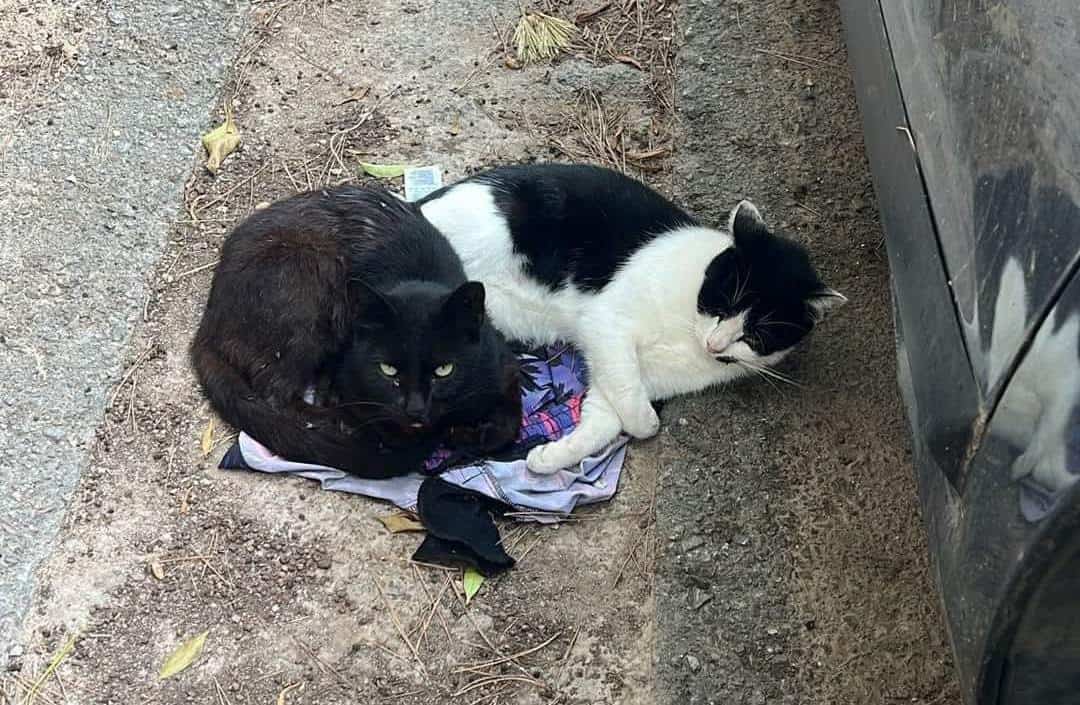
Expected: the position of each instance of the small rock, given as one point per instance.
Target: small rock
(742, 539)
(16, 651)
(323, 562)
(690, 543)
(55, 433)
(693, 664)
(261, 205)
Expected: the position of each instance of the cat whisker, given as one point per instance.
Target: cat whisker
(764, 322)
(377, 404)
(766, 370)
(757, 372)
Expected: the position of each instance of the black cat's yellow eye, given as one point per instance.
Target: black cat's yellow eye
(388, 370)
(444, 370)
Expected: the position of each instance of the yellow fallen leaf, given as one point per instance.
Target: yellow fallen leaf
(383, 171)
(157, 570)
(401, 521)
(207, 441)
(221, 141)
(284, 691)
(471, 581)
(183, 656)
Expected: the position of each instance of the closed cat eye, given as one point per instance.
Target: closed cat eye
(388, 370)
(444, 370)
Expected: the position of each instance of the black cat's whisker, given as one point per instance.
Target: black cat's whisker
(376, 404)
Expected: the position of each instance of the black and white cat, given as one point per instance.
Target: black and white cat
(659, 304)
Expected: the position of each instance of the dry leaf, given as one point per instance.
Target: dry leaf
(630, 60)
(207, 442)
(401, 521)
(221, 142)
(183, 656)
(284, 691)
(383, 171)
(157, 570)
(471, 581)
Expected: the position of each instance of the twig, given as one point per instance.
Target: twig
(150, 347)
(491, 680)
(566, 657)
(400, 629)
(221, 693)
(504, 659)
(195, 270)
(57, 659)
(798, 59)
(446, 584)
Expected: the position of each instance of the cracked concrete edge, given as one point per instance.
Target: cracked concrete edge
(88, 186)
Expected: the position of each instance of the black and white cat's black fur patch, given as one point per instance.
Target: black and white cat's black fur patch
(659, 304)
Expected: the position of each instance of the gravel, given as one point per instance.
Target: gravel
(94, 173)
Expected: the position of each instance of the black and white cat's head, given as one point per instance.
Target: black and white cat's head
(760, 297)
(418, 355)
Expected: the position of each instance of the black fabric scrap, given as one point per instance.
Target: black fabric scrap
(461, 528)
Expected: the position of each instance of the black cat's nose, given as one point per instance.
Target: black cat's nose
(416, 408)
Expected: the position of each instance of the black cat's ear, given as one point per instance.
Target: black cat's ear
(464, 309)
(370, 309)
(824, 301)
(746, 223)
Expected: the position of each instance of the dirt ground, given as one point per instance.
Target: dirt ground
(765, 548)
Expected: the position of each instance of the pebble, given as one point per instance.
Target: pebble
(323, 562)
(55, 433)
(693, 663)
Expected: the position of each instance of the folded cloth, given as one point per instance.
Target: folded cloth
(553, 381)
(459, 528)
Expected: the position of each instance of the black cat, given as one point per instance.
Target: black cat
(350, 291)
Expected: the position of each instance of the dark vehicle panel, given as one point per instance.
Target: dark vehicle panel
(972, 122)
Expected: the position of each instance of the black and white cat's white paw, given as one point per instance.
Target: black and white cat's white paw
(552, 457)
(640, 421)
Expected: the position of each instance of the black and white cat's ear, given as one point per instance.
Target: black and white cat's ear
(745, 221)
(825, 301)
(370, 309)
(464, 309)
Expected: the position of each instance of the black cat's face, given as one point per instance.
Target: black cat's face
(761, 297)
(417, 359)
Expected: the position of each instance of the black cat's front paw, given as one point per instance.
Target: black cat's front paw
(484, 437)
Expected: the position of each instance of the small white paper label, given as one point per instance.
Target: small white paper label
(422, 180)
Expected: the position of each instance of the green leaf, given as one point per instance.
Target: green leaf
(383, 171)
(471, 582)
(221, 141)
(183, 656)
